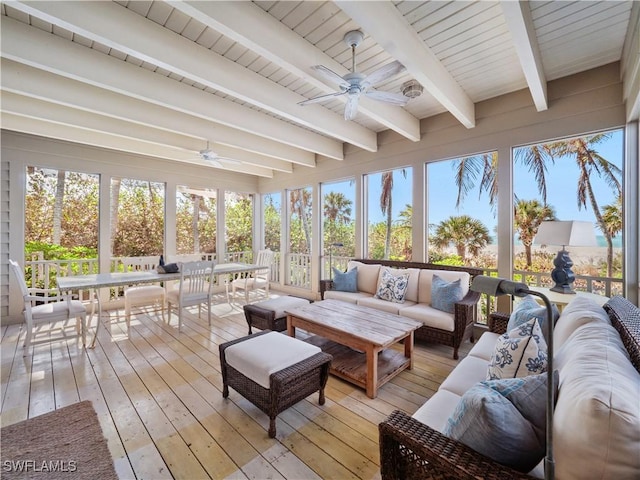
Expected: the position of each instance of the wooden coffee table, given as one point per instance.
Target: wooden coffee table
(359, 338)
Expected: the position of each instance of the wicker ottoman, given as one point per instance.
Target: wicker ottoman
(270, 314)
(273, 371)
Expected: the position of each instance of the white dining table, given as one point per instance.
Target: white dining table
(96, 281)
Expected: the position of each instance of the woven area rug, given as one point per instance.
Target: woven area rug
(64, 444)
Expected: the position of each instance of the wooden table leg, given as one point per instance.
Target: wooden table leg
(408, 349)
(372, 372)
(291, 330)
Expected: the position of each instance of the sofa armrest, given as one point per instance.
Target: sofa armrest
(324, 286)
(465, 309)
(411, 449)
(498, 322)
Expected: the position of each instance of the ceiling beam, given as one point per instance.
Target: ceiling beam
(120, 28)
(520, 24)
(32, 46)
(386, 25)
(30, 82)
(252, 27)
(73, 133)
(42, 110)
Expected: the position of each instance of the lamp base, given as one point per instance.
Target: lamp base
(562, 289)
(562, 274)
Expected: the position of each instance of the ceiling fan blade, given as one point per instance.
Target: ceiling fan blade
(230, 161)
(330, 75)
(388, 97)
(351, 108)
(382, 73)
(321, 98)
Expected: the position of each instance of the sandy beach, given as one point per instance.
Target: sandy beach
(579, 255)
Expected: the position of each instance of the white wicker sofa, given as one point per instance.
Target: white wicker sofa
(438, 326)
(597, 416)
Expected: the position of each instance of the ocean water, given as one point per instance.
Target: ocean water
(602, 242)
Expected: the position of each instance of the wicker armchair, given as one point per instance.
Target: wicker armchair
(465, 309)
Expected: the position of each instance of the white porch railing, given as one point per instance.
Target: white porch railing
(43, 273)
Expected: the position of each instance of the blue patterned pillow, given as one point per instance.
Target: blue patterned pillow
(345, 282)
(392, 288)
(504, 420)
(526, 309)
(445, 294)
(519, 352)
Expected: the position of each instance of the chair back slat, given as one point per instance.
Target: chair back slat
(17, 270)
(196, 278)
(138, 264)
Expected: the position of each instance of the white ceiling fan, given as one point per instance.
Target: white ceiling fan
(355, 84)
(216, 160)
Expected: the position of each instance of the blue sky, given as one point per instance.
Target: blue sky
(561, 189)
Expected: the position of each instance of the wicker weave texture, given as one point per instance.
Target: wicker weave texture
(286, 387)
(625, 317)
(411, 449)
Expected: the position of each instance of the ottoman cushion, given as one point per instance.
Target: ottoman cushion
(259, 357)
(279, 305)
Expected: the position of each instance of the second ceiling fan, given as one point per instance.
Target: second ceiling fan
(354, 84)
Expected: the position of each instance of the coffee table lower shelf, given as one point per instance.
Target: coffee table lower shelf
(351, 365)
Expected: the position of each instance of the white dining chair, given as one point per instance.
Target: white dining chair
(195, 288)
(47, 306)
(256, 280)
(142, 295)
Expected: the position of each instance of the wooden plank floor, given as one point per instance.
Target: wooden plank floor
(158, 395)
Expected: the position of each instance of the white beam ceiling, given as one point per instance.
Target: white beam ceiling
(249, 25)
(520, 23)
(388, 27)
(122, 29)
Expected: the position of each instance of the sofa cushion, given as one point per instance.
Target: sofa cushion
(392, 288)
(504, 420)
(444, 295)
(526, 309)
(519, 353)
(425, 281)
(597, 415)
(379, 304)
(428, 315)
(469, 371)
(579, 312)
(485, 346)
(347, 281)
(438, 409)
(349, 297)
(367, 276)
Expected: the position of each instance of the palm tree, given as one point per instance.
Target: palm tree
(612, 220)
(528, 215)
(467, 171)
(300, 200)
(464, 232)
(337, 210)
(537, 158)
(386, 206)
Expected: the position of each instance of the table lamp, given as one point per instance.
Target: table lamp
(499, 286)
(566, 233)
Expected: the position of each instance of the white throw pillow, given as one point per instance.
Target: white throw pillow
(519, 353)
(392, 288)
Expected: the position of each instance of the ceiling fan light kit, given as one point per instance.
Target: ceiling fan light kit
(412, 89)
(354, 84)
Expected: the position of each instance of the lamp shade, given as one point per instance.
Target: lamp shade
(566, 233)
